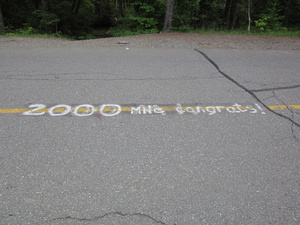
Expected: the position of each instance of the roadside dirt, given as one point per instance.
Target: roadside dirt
(163, 40)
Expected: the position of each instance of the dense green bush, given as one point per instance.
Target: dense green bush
(271, 18)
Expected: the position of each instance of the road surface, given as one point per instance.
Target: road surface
(149, 136)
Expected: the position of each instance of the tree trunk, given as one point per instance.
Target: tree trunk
(227, 13)
(120, 6)
(169, 15)
(45, 5)
(234, 15)
(77, 6)
(230, 13)
(249, 15)
(2, 27)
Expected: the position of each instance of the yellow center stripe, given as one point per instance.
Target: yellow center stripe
(129, 108)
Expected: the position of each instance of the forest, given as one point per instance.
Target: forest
(83, 19)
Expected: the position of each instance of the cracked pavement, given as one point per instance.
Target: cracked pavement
(150, 169)
(113, 217)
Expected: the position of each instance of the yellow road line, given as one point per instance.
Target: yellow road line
(13, 110)
(284, 106)
(129, 108)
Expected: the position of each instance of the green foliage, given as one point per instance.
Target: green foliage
(210, 14)
(270, 19)
(87, 36)
(116, 32)
(183, 28)
(291, 14)
(24, 33)
(142, 23)
(80, 19)
(284, 32)
(46, 21)
(140, 16)
(142, 20)
(26, 30)
(185, 17)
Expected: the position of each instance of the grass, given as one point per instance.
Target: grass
(31, 32)
(279, 33)
(37, 35)
(255, 32)
(121, 33)
(282, 33)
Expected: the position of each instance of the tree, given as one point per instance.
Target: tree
(169, 15)
(210, 14)
(231, 13)
(249, 15)
(103, 14)
(79, 18)
(271, 16)
(2, 28)
(76, 6)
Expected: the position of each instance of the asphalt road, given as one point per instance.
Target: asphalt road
(149, 136)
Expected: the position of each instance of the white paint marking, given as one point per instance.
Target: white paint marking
(158, 110)
(33, 111)
(262, 112)
(211, 110)
(199, 109)
(239, 108)
(179, 109)
(252, 110)
(116, 109)
(136, 110)
(90, 110)
(219, 108)
(231, 109)
(65, 112)
(191, 110)
(147, 109)
(110, 110)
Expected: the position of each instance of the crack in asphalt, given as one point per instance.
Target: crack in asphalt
(253, 82)
(117, 213)
(283, 103)
(294, 133)
(276, 88)
(292, 113)
(245, 89)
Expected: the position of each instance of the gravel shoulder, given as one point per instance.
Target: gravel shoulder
(163, 40)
